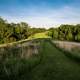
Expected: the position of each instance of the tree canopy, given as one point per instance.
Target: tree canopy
(66, 32)
(10, 32)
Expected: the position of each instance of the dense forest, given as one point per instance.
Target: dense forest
(10, 32)
(66, 32)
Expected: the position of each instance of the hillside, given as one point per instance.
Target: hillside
(50, 63)
(39, 35)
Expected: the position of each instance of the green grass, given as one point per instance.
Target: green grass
(50, 64)
(55, 65)
(39, 35)
(35, 36)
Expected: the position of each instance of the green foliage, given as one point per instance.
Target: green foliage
(49, 33)
(55, 34)
(69, 36)
(66, 32)
(10, 32)
(50, 64)
(77, 37)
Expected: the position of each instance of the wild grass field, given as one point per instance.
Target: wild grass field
(51, 63)
(39, 39)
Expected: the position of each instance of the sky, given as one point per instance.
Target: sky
(41, 13)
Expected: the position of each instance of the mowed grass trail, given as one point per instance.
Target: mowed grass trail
(50, 64)
(55, 65)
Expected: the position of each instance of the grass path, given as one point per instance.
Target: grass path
(55, 65)
(50, 64)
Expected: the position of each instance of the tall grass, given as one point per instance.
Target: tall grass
(74, 53)
(13, 66)
(49, 64)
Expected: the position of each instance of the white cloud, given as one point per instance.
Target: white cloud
(66, 15)
(49, 17)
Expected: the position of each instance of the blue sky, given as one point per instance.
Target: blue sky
(41, 13)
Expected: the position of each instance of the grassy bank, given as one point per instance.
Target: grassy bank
(50, 64)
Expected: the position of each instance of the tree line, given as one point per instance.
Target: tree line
(10, 32)
(66, 32)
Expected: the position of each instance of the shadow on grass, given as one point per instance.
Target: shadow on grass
(71, 54)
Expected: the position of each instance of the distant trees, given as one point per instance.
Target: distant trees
(66, 32)
(10, 32)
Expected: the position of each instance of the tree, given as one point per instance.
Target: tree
(55, 34)
(77, 37)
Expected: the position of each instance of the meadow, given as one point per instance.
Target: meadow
(50, 62)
